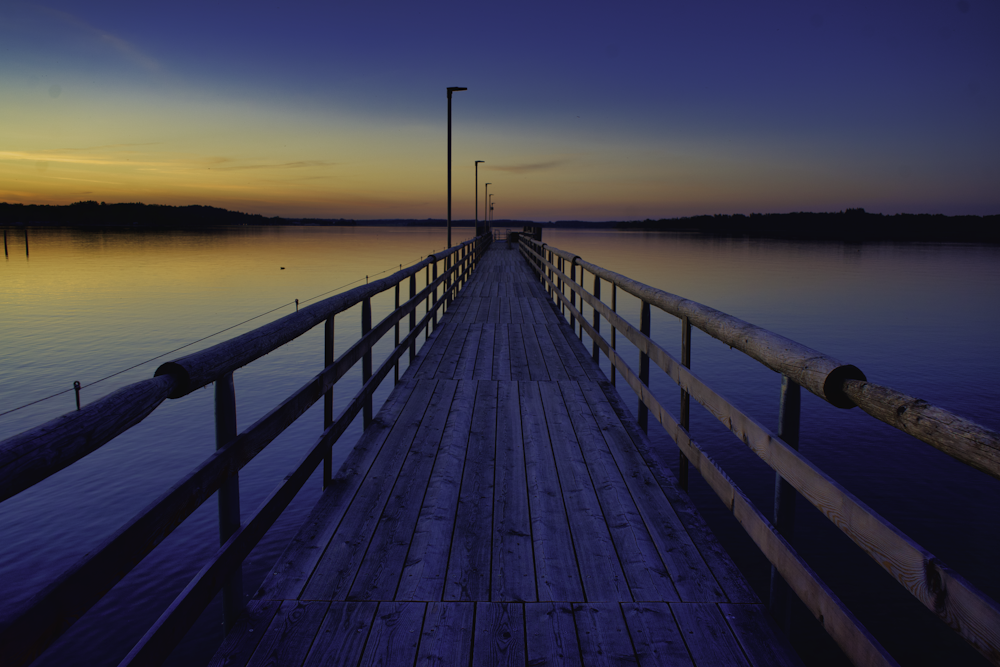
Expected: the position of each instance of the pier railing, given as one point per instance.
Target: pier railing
(960, 605)
(34, 455)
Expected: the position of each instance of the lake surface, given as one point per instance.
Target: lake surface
(81, 305)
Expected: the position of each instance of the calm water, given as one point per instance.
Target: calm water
(920, 318)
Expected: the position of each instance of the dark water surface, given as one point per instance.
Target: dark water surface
(919, 318)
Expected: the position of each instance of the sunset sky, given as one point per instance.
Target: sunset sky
(587, 111)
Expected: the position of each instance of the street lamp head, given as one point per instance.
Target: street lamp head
(453, 89)
(480, 161)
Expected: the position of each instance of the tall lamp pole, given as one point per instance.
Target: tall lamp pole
(486, 215)
(491, 210)
(450, 91)
(477, 197)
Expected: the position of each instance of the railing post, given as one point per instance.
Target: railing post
(435, 293)
(413, 317)
(614, 330)
(644, 368)
(597, 317)
(427, 303)
(789, 413)
(366, 362)
(562, 310)
(328, 358)
(682, 465)
(572, 292)
(229, 496)
(397, 335)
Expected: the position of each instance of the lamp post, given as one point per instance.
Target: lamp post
(477, 197)
(486, 214)
(450, 91)
(491, 210)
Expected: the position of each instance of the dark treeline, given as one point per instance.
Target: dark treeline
(852, 225)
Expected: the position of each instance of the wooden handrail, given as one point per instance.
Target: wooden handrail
(959, 604)
(40, 452)
(841, 384)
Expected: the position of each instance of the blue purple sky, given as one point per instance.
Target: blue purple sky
(581, 110)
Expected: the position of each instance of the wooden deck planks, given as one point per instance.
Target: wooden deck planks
(504, 508)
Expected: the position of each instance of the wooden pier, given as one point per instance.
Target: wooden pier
(504, 508)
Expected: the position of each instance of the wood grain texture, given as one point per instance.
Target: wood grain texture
(427, 559)
(394, 635)
(513, 577)
(645, 572)
(242, 640)
(708, 637)
(342, 635)
(290, 635)
(471, 547)
(499, 635)
(379, 574)
(603, 635)
(34, 455)
(763, 643)
(600, 568)
(960, 438)
(446, 639)
(551, 635)
(655, 635)
(556, 571)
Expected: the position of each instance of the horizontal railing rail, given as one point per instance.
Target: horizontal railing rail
(959, 604)
(34, 455)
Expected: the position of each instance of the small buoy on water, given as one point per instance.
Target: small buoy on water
(282, 268)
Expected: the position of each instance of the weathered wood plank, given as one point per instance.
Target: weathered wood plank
(427, 560)
(466, 366)
(604, 638)
(518, 357)
(469, 564)
(342, 635)
(600, 568)
(501, 353)
(484, 356)
(763, 643)
(499, 635)
(556, 572)
(551, 634)
(655, 635)
(290, 634)
(708, 637)
(336, 569)
(698, 586)
(553, 362)
(380, 572)
(446, 639)
(436, 345)
(513, 576)
(685, 564)
(394, 635)
(290, 573)
(242, 640)
(537, 369)
(647, 577)
(449, 361)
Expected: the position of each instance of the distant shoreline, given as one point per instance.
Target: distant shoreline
(850, 226)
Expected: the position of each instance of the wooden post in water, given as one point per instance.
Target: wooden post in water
(434, 276)
(5, 254)
(614, 331)
(789, 416)
(644, 367)
(413, 317)
(597, 319)
(328, 358)
(397, 335)
(229, 496)
(682, 465)
(366, 362)
(25, 241)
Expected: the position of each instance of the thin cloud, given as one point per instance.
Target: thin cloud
(530, 167)
(123, 47)
(301, 164)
